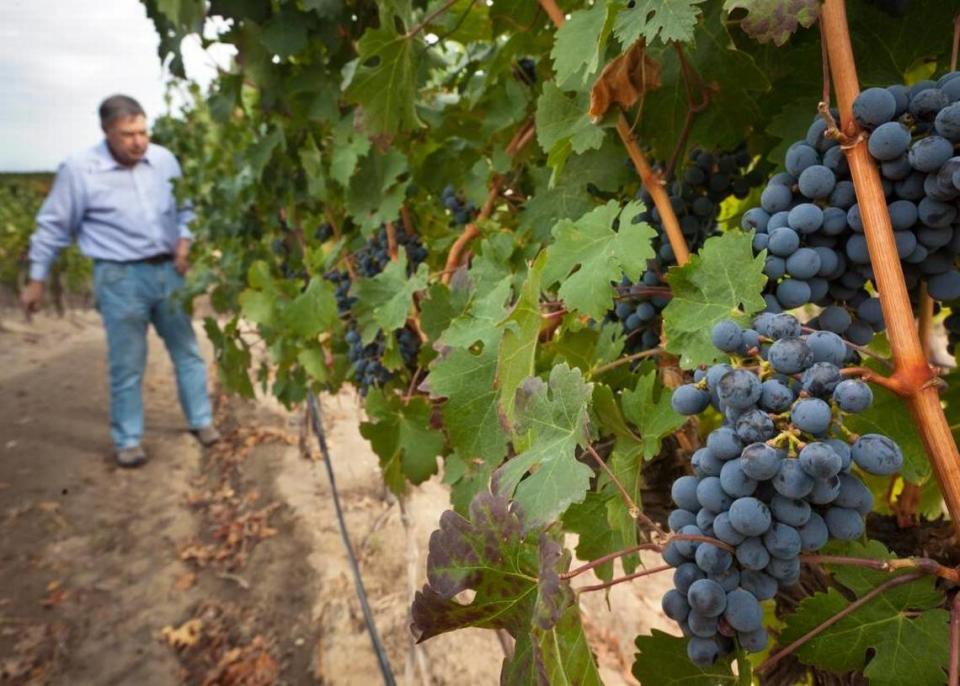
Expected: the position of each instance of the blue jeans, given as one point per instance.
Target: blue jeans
(130, 297)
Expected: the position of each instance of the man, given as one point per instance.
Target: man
(117, 200)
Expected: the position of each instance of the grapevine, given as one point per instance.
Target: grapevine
(705, 353)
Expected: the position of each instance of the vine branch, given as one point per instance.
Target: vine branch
(391, 241)
(923, 564)
(650, 179)
(419, 27)
(522, 136)
(693, 108)
(623, 579)
(626, 359)
(849, 609)
(912, 373)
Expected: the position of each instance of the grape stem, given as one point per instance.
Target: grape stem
(693, 108)
(625, 360)
(650, 179)
(632, 506)
(922, 564)
(623, 579)
(407, 221)
(954, 678)
(522, 136)
(925, 323)
(956, 42)
(825, 61)
(849, 609)
(859, 348)
(609, 557)
(419, 27)
(391, 241)
(913, 374)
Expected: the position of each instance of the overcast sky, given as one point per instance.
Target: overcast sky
(60, 58)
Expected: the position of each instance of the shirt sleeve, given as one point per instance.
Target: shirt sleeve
(185, 213)
(58, 220)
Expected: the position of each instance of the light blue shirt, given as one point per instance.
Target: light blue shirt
(114, 212)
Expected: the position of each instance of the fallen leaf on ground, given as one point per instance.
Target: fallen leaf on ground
(185, 581)
(184, 636)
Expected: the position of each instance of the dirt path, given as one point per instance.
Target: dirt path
(219, 567)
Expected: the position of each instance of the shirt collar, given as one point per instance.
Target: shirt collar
(107, 162)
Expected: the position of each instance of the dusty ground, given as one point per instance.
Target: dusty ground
(213, 567)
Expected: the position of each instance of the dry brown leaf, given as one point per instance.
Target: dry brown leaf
(624, 80)
(184, 636)
(185, 581)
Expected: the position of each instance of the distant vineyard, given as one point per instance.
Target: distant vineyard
(20, 197)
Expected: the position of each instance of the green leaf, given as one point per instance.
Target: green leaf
(648, 407)
(312, 162)
(258, 307)
(601, 255)
(470, 414)
(652, 19)
(385, 81)
(313, 311)
(581, 42)
(374, 195)
(480, 318)
(735, 86)
(555, 417)
(314, 363)
(890, 416)
(350, 147)
(597, 538)
(662, 660)
(724, 280)
(563, 125)
(774, 21)
(286, 33)
(518, 346)
(400, 435)
(384, 302)
(901, 636)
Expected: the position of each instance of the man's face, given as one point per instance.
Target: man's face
(128, 139)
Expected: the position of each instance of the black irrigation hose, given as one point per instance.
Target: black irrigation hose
(378, 648)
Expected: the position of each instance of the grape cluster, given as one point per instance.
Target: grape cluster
(323, 233)
(708, 179)
(462, 211)
(773, 481)
(809, 220)
(370, 260)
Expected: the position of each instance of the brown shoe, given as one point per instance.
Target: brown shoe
(207, 435)
(131, 457)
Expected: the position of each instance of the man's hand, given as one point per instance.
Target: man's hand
(31, 297)
(181, 256)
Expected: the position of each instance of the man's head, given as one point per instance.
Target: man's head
(125, 124)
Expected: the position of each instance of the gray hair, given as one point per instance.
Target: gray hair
(117, 106)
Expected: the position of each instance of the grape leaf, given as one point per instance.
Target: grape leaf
(581, 42)
(488, 553)
(312, 311)
(903, 630)
(286, 33)
(724, 280)
(563, 125)
(384, 301)
(590, 521)
(888, 415)
(313, 361)
(661, 660)
(774, 20)
(555, 416)
(518, 346)
(479, 318)
(734, 83)
(401, 435)
(517, 585)
(470, 416)
(385, 80)
(601, 255)
(350, 147)
(374, 195)
(652, 19)
(648, 407)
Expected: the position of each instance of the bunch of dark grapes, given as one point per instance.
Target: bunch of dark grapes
(774, 481)
(526, 71)
(370, 260)
(462, 211)
(708, 180)
(809, 220)
(323, 233)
